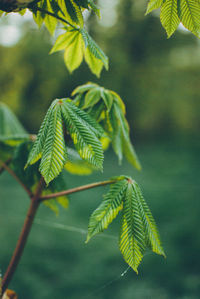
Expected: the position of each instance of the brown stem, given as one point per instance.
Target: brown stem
(76, 189)
(23, 237)
(7, 162)
(9, 170)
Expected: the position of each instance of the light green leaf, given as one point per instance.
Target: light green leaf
(73, 55)
(50, 22)
(189, 12)
(64, 40)
(54, 151)
(92, 97)
(83, 88)
(169, 17)
(94, 64)
(107, 98)
(153, 4)
(108, 209)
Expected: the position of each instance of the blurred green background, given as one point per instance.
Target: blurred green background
(159, 82)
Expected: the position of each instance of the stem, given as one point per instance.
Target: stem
(23, 237)
(9, 170)
(53, 15)
(76, 189)
(7, 163)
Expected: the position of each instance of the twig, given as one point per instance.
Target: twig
(76, 189)
(7, 163)
(23, 236)
(52, 15)
(9, 170)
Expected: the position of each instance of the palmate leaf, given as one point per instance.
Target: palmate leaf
(107, 107)
(175, 11)
(84, 135)
(108, 209)
(169, 16)
(78, 45)
(50, 145)
(138, 230)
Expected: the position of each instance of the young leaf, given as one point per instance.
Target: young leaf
(9, 124)
(54, 151)
(50, 22)
(132, 238)
(153, 4)
(73, 55)
(83, 134)
(169, 17)
(189, 12)
(95, 64)
(151, 233)
(108, 209)
(36, 151)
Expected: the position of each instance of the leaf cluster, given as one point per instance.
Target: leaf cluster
(174, 12)
(63, 118)
(108, 109)
(138, 231)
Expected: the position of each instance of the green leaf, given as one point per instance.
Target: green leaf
(153, 4)
(94, 48)
(94, 8)
(83, 88)
(54, 152)
(73, 55)
(75, 165)
(92, 97)
(9, 124)
(64, 40)
(132, 238)
(169, 17)
(128, 149)
(36, 151)
(189, 12)
(84, 136)
(151, 233)
(94, 64)
(50, 22)
(108, 209)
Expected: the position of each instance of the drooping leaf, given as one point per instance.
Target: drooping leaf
(54, 152)
(50, 21)
(169, 16)
(36, 151)
(151, 233)
(189, 14)
(108, 209)
(74, 52)
(132, 238)
(83, 134)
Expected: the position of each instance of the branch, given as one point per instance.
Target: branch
(52, 15)
(9, 170)
(76, 189)
(6, 163)
(23, 236)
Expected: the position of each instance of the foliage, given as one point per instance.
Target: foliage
(138, 229)
(174, 12)
(95, 118)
